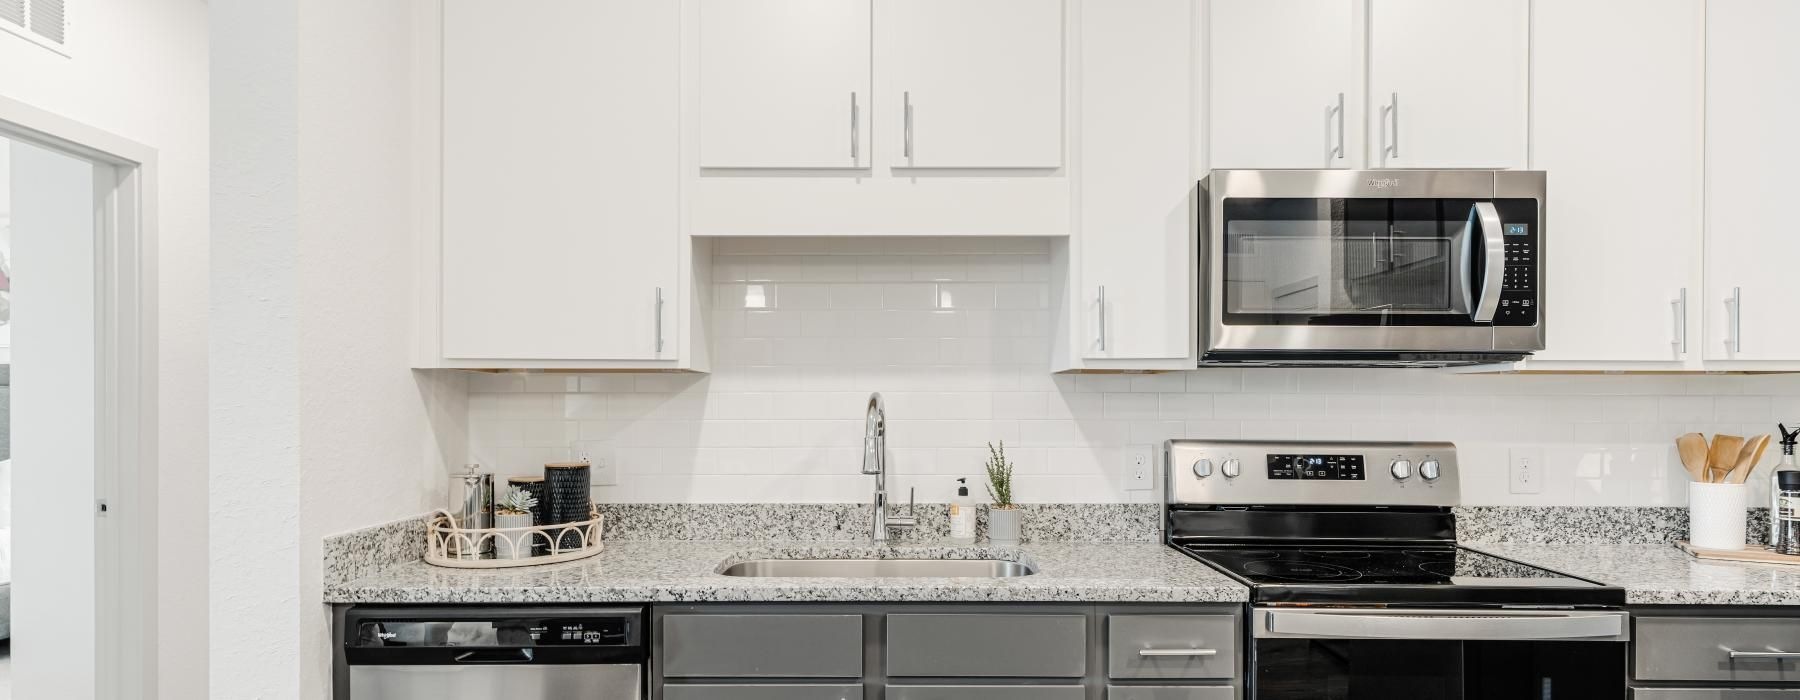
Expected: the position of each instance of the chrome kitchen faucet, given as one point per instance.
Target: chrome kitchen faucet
(875, 462)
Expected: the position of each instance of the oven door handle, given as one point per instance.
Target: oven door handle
(1486, 216)
(1460, 625)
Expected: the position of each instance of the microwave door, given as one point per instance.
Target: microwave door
(1484, 217)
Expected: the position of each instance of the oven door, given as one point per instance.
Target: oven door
(1377, 654)
(1306, 262)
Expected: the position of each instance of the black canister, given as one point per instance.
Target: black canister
(566, 487)
(534, 485)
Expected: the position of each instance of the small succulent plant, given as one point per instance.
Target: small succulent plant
(999, 476)
(518, 501)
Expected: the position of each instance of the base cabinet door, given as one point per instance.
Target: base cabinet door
(1170, 692)
(985, 692)
(762, 692)
(1714, 694)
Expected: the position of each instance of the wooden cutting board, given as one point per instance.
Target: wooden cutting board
(1754, 554)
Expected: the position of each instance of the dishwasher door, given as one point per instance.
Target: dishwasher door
(475, 652)
(546, 682)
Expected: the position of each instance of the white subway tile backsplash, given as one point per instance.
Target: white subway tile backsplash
(956, 333)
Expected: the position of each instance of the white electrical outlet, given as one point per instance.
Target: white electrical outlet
(1140, 468)
(603, 464)
(1526, 467)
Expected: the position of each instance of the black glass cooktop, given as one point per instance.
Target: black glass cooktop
(1440, 574)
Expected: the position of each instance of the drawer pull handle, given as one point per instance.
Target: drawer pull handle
(1178, 652)
(1763, 654)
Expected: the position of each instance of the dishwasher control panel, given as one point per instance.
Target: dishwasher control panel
(496, 632)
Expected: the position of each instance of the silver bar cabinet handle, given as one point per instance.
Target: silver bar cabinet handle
(1680, 305)
(906, 116)
(1178, 652)
(1763, 654)
(659, 321)
(1737, 319)
(1392, 111)
(855, 127)
(1337, 112)
(1102, 302)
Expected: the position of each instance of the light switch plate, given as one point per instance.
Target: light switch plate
(603, 463)
(1140, 468)
(1525, 469)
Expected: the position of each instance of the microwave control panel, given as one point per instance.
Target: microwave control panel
(1519, 284)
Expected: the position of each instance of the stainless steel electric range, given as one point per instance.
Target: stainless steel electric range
(1359, 590)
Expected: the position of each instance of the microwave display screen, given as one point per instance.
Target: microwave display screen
(1316, 467)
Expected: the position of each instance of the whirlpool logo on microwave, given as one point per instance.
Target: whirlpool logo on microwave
(1384, 183)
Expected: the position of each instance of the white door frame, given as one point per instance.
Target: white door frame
(125, 190)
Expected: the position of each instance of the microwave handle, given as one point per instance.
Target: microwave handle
(1493, 243)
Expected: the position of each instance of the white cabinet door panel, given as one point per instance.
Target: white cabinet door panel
(784, 84)
(1753, 142)
(1447, 83)
(560, 180)
(1136, 180)
(1616, 124)
(983, 80)
(1279, 69)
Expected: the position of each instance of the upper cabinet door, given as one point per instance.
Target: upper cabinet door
(1284, 76)
(784, 84)
(560, 179)
(1447, 83)
(1616, 124)
(1135, 243)
(1752, 144)
(970, 83)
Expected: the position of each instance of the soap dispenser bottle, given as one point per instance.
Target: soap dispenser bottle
(962, 515)
(1788, 437)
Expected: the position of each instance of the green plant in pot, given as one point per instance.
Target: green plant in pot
(1003, 515)
(513, 511)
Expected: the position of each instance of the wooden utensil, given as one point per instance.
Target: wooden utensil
(1748, 459)
(1692, 447)
(1723, 456)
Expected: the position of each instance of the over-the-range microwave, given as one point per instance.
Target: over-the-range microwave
(1383, 268)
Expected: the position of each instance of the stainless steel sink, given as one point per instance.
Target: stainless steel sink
(880, 568)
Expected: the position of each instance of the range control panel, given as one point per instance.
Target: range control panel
(1245, 472)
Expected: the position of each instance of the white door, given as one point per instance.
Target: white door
(1284, 78)
(1447, 83)
(1616, 124)
(561, 172)
(970, 83)
(1752, 142)
(784, 83)
(1135, 240)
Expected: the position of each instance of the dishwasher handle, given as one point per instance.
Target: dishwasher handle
(495, 656)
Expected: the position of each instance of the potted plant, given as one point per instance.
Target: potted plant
(1003, 515)
(514, 511)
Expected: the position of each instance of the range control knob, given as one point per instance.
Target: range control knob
(1428, 469)
(1203, 467)
(1231, 468)
(1400, 468)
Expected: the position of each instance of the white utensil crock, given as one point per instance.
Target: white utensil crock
(1716, 515)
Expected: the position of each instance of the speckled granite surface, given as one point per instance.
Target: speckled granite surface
(1660, 574)
(359, 553)
(1586, 524)
(687, 571)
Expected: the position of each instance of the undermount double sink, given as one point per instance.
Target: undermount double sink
(879, 568)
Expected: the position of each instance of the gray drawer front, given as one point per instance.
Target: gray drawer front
(1713, 694)
(985, 692)
(972, 646)
(1129, 634)
(762, 646)
(1162, 692)
(762, 692)
(1694, 648)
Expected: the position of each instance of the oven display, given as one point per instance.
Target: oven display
(1323, 467)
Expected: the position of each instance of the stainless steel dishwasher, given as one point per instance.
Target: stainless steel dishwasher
(486, 653)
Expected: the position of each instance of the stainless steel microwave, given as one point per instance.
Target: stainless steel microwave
(1403, 268)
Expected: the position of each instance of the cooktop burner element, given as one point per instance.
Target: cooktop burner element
(1439, 566)
(1300, 571)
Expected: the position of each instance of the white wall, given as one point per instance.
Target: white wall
(955, 334)
(138, 69)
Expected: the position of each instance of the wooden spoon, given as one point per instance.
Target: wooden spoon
(1692, 447)
(1723, 457)
(1748, 459)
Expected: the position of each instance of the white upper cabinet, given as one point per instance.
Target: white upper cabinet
(970, 83)
(1447, 83)
(1615, 121)
(560, 180)
(1752, 144)
(1133, 257)
(784, 83)
(1284, 77)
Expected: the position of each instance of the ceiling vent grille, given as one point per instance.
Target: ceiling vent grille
(48, 20)
(13, 12)
(43, 22)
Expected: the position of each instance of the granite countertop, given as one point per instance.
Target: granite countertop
(687, 571)
(1660, 574)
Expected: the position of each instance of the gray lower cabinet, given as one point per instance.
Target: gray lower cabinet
(1171, 646)
(986, 645)
(762, 692)
(1714, 694)
(986, 692)
(1701, 649)
(761, 646)
(1164, 692)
